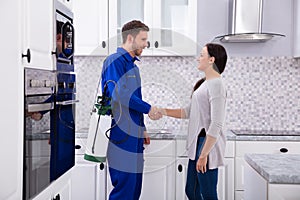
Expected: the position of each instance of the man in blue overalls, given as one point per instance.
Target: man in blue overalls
(121, 81)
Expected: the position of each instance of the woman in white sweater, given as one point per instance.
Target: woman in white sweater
(206, 136)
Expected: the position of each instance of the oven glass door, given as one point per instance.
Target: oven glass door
(64, 37)
(37, 144)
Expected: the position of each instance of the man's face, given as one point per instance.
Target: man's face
(140, 42)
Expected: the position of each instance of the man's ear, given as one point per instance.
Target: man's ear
(130, 38)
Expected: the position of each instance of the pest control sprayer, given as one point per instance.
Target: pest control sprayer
(100, 125)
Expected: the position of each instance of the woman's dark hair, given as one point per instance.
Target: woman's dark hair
(133, 28)
(219, 53)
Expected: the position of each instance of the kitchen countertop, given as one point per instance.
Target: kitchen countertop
(232, 135)
(276, 168)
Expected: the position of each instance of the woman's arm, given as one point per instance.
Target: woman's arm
(176, 113)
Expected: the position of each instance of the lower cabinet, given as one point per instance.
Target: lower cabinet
(243, 147)
(159, 171)
(88, 178)
(225, 174)
(181, 172)
(59, 189)
(159, 178)
(256, 187)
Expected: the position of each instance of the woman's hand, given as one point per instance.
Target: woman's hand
(201, 164)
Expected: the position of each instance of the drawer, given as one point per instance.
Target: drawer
(159, 148)
(274, 147)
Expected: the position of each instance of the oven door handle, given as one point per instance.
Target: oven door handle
(40, 107)
(68, 102)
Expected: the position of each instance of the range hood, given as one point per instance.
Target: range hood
(245, 22)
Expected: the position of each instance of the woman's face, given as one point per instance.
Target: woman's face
(204, 60)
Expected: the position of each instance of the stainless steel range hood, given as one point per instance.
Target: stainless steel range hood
(245, 22)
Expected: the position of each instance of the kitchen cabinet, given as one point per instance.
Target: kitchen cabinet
(225, 174)
(159, 171)
(181, 173)
(58, 189)
(91, 27)
(296, 29)
(243, 147)
(38, 34)
(88, 178)
(269, 180)
(171, 33)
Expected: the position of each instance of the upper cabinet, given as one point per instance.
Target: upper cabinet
(91, 27)
(296, 42)
(172, 24)
(38, 34)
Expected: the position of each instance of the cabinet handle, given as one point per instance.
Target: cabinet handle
(57, 197)
(28, 55)
(148, 44)
(179, 168)
(77, 146)
(284, 150)
(156, 44)
(101, 166)
(103, 44)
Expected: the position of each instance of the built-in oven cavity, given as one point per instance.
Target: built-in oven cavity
(39, 104)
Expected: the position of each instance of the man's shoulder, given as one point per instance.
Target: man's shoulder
(114, 57)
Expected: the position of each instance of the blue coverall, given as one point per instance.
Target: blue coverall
(125, 148)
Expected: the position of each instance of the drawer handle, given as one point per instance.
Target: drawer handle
(284, 150)
(179, 168)
(101, 166)
(77, 146)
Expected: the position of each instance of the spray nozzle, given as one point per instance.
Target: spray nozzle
(103, 105)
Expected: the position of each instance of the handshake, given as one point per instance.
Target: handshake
(156, 113)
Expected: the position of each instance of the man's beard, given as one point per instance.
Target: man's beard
(137, 51)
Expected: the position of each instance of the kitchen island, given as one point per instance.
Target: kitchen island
(272, 176)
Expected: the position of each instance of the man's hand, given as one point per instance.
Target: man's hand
(146, 138)
(154, 113)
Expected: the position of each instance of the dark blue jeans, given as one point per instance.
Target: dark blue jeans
(201, 186)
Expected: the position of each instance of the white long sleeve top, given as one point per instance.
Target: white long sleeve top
(207, 110)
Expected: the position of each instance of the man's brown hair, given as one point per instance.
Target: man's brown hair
(133, 28)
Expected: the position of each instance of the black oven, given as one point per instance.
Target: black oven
(39, 106)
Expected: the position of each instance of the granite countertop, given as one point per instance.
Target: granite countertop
(232, 135)
(265, 135)
(276, 168)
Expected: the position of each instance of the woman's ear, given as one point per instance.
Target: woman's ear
(211, 60)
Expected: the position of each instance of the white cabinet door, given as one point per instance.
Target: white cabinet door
(91, 27)
(296, 29)
(174, 27)
(84, 179)
(255, 185)
(159, 178)
(38, 34)
(171, 34)
(58, 189)
(121, 12)
(226, 180)
(181, 173)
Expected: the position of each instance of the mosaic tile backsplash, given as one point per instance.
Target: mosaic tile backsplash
(263, 92)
